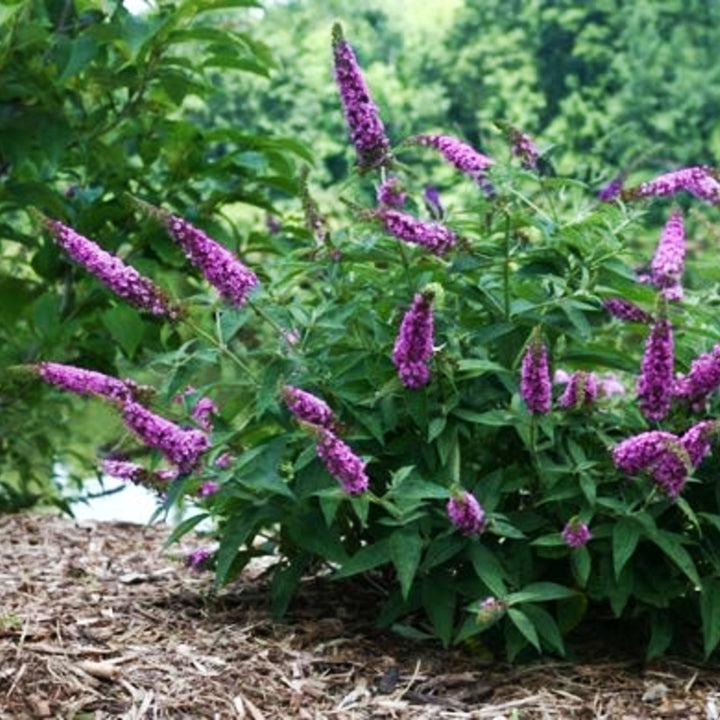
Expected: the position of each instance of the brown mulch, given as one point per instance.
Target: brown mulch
(97, 621)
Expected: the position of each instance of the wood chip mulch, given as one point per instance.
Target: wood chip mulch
(98, 621)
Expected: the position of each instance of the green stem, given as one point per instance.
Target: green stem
(222, 348)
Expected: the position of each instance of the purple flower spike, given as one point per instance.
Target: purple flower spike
(626, 310)
(702, 380)
(668, 262)
(698, 439)
(612, 190)
(83, 382)
(656, 372)
(698, 181)
(308, 408)
(434, 236)
(179, 446)
(218, 265)
(466, 513)
(462, 156)
(123, 280)
(414, 344)
(342, 463)
(522, 147)
(575, 534)
(535, 385)
(367, 132)
(581, 391)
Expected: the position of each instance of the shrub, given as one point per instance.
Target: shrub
(447, 402)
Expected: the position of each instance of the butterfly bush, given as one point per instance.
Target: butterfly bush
(587, 498)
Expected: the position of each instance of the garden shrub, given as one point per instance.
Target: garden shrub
(485, 406)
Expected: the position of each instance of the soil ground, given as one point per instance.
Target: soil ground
(98, 621)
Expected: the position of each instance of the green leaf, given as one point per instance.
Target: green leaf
(366, 558)
(437, 425)
(671, 546)
(235, 533)
(523, 623)
(540, 592)
(710, 614)
(126, 327)
(661, 634)
(488, 569)
(625, 537)
(184, 527)
(475, 367)
(439, 600)
(441, 549)
(581, 563)
(285, 582)
(405, 547)
(546, 626)
(82, 51)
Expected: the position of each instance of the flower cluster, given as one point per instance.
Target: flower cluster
(218, 265)
(414, 344)
(391, 193)
(668, 262)
(535, 385)
(462, 156)
(433, 236)
(123, 280)
(697, 180)
(581, 391)
(611, 190)
(308, 408)
(466, 513)
(367, 132)
(200, 559)
(179, 446)
(666, 457)
(84, 382)
(656, 372)
(342, 463)
(575, 534)
(626, 310)
(203, 410)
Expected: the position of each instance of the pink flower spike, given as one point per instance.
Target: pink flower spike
(219, 266)
(432, 235)
(575, 534)
(125, 281)
(535, 385)
(668, 263)
(308, 408)
(697, 180)
(656, 373)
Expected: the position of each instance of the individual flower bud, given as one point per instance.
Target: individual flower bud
(203, 410)
(490, 610)
(200, 559)
(208, 488)
(575, 534)
(225, 460)
(466, 513)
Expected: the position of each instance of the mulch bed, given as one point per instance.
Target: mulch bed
(98, 621)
